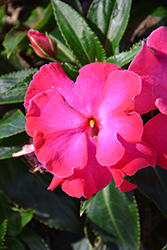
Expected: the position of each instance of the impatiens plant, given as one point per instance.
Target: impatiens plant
(83, 119)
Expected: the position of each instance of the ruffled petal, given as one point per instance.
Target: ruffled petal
(121, 182)
(161, 98)
(49, 76)
(61, 153)
(136, 157)
(115, 115)
(157, 39)
(121, 88)
(109, 149)
(153, 72)
(55, 182)
(155, 134)
(91, 179)
(90, 85)
(48, 112)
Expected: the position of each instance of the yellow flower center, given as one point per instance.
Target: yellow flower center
(92, 123)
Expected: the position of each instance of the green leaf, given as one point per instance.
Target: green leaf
(164, 248)
(3, 227)
(26, 216)
(125, 57)
(152, 183)
(14, 222)
(14, 244)
(82, 41)
(64, 53)
(75, 4)
(12, 123)
(109, 19)
(14, 85)
(13, 38)
(71, 70)
(12, 144)
(56, 209)
(109, 212)
(32, 240)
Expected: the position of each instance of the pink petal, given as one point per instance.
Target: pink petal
(157, 39)
(48, 112)
(153, 72)
(90, 85)
(55, 182)
(91, 179)
(48, 77)
(136, 157)
(115, 116)
(119, 93)
(121, 182)
(109, 149)
(155, 134)
(161, 98)
(61, 153)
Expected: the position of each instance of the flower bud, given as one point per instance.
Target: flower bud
(42, 44)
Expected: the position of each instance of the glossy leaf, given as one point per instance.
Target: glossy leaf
(14, 244)
(55, 209)
(109, 212)
(126, 57)
(64, 53)
(26, 216)
(152, 183)
(13, 122)
(32, 240)
(14, 222)
(75, 4)
(83, 43)
(109, 19)
(18, 81)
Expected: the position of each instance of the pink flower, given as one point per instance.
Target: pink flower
(83, 130)
(43, 45)
(151, 64)
(155, 133)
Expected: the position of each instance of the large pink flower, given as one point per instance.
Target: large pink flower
(82, 130)
(151, 64)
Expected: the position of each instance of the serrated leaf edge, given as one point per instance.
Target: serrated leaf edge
(91, 31)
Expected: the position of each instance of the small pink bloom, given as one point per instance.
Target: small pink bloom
(151, 64)
(43, 45)
(76, 127)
